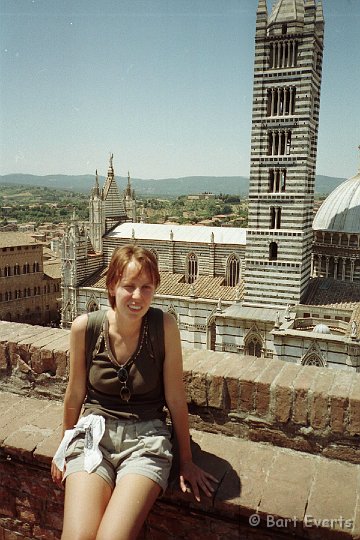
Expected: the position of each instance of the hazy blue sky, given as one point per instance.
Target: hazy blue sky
(166, 85)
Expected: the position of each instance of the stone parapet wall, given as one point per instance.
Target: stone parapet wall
(305, 408)
(264, 492)
(264, 428)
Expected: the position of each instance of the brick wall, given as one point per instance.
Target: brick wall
(272, 414)
(306, 408)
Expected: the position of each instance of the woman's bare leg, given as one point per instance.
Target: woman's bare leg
(86, 498)
(130, 503)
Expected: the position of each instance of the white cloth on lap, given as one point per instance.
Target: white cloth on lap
(93, 426)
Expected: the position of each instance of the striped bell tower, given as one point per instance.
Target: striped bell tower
(285, 119)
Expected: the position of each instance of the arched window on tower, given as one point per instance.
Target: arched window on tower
(191, 268)
(273, 251)
(271, 177)
(269, 102)
(275, 217)
(271, 55)
(288, 143)
(233, 270)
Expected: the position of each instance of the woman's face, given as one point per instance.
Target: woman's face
(133, 292)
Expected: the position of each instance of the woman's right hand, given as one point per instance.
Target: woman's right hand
(56, 474)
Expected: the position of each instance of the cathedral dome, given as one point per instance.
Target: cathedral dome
(340, 212)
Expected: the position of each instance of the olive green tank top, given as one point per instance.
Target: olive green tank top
(144, 379)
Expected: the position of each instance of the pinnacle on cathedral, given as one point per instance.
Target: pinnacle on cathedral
(96, 189)
(108, 207)
(110, 176)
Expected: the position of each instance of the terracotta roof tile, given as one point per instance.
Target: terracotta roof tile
(174, 285)
(52, 269)
(11, 239)
(96, 280)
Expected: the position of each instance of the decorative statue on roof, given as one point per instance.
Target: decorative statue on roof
(354, 330)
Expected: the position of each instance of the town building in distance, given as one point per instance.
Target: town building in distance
(287, 287)
(29, 281)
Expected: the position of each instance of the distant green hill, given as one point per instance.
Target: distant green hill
(171, 187)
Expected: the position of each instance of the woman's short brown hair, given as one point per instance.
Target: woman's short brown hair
(121, 257)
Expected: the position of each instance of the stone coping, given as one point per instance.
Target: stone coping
(288, 492)
(306, 408)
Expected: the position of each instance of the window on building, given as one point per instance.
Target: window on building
(288, 143)
(253, 346)
(191, 268)
(313, 360)
(279, 142)
(273, 251)
(277, 180)
(275, 217)
(271, 178)
(283, 53)
(212, 335)
(284, 28)
(233, 271)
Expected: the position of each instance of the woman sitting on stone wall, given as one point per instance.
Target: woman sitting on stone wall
(116, 459)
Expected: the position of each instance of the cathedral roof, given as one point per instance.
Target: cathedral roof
(180, 233)
(174, 285)
(340, 212)
(287, 10)
(203, 287)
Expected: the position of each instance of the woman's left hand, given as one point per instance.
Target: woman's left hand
(197, 478)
